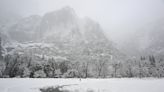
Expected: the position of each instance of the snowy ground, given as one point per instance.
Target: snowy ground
(85, 85)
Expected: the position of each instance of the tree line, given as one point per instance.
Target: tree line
(25, 66)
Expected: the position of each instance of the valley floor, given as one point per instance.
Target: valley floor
(84, 85)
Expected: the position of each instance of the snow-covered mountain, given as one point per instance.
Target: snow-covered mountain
(59, 33)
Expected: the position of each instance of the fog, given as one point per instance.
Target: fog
(118, 18)
(81, 39)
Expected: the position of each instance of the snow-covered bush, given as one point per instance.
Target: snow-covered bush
(39, 74)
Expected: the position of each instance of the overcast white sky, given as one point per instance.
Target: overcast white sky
(117, 17)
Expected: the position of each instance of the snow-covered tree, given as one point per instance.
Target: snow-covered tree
(116, 66)
(72, 73)
(63, 66)
(51, 67)
(85, 69)
(1, 57)
(26, 72)
(101, 65)
(58, 73)
(2, 69)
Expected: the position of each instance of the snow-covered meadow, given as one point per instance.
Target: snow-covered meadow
(84, 85)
